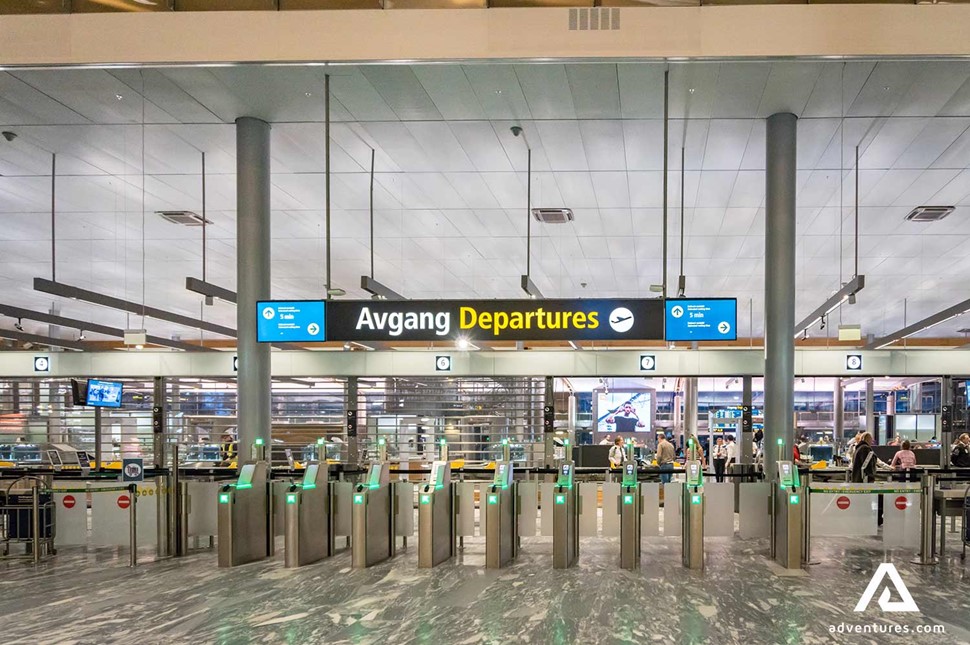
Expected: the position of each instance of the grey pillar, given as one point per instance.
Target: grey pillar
(690, 410)
(779, 288)
(253, 280)
(746, 436)
(353, 445)
(871, 409)
(838, 418)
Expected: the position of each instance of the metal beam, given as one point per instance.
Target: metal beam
(852, 287)
(372, 286)
(210, 290)
(37, 339)
(922, 325)
(530, 287)
(73, 323)
(67, 291)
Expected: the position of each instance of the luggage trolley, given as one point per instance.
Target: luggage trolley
(27, 517)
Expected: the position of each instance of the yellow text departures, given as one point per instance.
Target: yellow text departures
(496, 321)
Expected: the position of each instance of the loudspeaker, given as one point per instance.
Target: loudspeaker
(548, 418)
(946, 418)
(745, 418)
(158, 419)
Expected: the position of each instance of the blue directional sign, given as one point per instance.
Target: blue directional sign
(696, 319)
(290, 321)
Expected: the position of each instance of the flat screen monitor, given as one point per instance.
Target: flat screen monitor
(79, 392)
(623, 411)
(104, 394)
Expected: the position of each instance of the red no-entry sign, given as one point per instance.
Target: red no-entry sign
(124, 501)
(69, 501)
(902, 503)
(842, 502)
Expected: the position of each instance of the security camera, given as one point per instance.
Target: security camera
(19, 325)
(516, 130)
(8, 135)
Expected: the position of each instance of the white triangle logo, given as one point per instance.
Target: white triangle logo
(886, 569)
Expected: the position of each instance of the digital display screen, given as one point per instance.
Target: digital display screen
(565, 469)
(695, 319)
(290, 320)
(623, 411)
(629, 469)
(104, 394)
(310, 476)
(246, 476)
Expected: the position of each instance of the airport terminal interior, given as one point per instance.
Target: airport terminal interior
(410, 324)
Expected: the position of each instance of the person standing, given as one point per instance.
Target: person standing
(695, 451)
(864, 460)
(960, 456)
(665, 458)
(720, 459)
(732, 451)
(616, 453)
(904, 460)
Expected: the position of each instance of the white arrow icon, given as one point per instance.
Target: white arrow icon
(724, 327)
(313, 329)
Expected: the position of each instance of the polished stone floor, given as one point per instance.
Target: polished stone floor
(90, 596)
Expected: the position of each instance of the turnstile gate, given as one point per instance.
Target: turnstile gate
(373, 518)
(436, 517)
(245, 522)
(501, 522)
(565, 519)
(629, 503)
(308, 523)
(692, 515)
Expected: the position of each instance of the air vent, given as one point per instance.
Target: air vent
(185, 218)
(929, 213)
(553, 215)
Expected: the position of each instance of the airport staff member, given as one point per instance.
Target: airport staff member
(720, 459)
(732, 451)
(228, 448)
(960, 456)
(665, 457)
(616, 453)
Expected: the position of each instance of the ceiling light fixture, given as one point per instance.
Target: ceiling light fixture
(30, 340)
(530, 288)
(19, 325)
(917, 327)
(375, 288)
(210, 290)
(852, 287)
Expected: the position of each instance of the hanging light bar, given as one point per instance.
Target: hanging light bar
(848, 291)
(76, 293)
(210, 290)
(37, 339)
(931, 321)
(72, 323)
(378, 290)
(530, 287)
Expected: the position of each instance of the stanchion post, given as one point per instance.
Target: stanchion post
(133, 525)
(927, 490)
(35, 522)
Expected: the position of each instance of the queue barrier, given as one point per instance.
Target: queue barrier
(851, 510)
(116, 511)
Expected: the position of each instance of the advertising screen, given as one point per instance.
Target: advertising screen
(623, 411)
(104, 394)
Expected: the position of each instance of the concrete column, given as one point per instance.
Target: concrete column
(779, 288)
(838, 411)
(253, 280)
(744, 438)
(690, 409)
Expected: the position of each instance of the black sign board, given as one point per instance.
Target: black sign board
(494, 320)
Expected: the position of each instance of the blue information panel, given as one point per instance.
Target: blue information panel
(696, 319)
(290, 320)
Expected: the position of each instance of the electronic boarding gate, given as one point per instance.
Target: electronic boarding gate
(245, 517)
(692, 516)
(565, 519)
(436, 517)
(308, 524)
(372, 533)
(787, 520)
(501, 518)
(630, 503)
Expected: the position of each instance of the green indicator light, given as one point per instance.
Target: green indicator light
(259, 441)
(781, 441)
(309, 486)
(426, 499)
(291, 498)
(560, 499)
(442, 441)
(358, 499)
(695, 499)
(628, 499)
(793, 499)
(381, 441)
(505, 442)
(493, 499)
(223, 498)
(243, 486)
(320, 441)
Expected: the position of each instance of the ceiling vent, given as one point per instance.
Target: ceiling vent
(929, 213)
(185, 218)
(553, 215)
